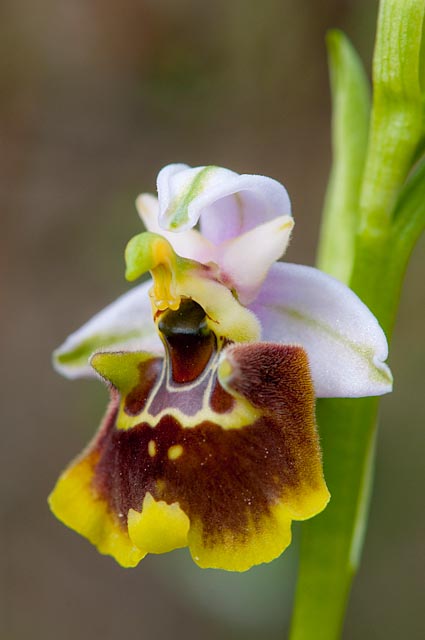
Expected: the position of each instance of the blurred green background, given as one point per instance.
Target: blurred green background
(96, 96)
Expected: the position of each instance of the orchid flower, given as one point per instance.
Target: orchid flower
(213, 366)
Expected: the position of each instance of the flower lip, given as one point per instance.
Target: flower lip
(229, 494)
(214, 444)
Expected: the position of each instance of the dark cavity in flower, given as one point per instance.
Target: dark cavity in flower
(189, 341)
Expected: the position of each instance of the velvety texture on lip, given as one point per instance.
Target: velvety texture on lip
(229, 482)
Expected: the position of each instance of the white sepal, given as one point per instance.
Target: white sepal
(126, 324)
(345, 344)
(226, 204)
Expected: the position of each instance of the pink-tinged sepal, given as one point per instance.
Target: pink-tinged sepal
(125, 324)
(346, 346)
(226, 204)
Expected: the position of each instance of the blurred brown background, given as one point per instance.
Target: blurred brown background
(96, 96)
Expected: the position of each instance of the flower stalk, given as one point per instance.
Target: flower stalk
(383, 226)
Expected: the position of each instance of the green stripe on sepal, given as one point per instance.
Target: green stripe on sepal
(79, 355)
(177, 214)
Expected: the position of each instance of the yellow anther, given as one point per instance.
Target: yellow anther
(152, 252)
(163, 292)
(175, 452)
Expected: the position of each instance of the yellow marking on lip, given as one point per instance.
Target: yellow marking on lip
(243, 414)
(159, 528)
(152, 448)
(175, 452)
(225, 370)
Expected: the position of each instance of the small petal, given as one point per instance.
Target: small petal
(147, 207)
(346, 346)
(188, 244)
(228, 204)
(228, 318)
(247, 258)
(125, 324)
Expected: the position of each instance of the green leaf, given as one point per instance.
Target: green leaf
(350, 124)
(331, 542)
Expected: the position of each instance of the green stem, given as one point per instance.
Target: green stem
(390, 215)
(331, 544)
(396, 123)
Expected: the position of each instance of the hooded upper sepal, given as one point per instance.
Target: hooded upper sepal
(226, 203)
(245, 221)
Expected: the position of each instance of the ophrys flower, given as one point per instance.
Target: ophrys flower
(210, 438)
